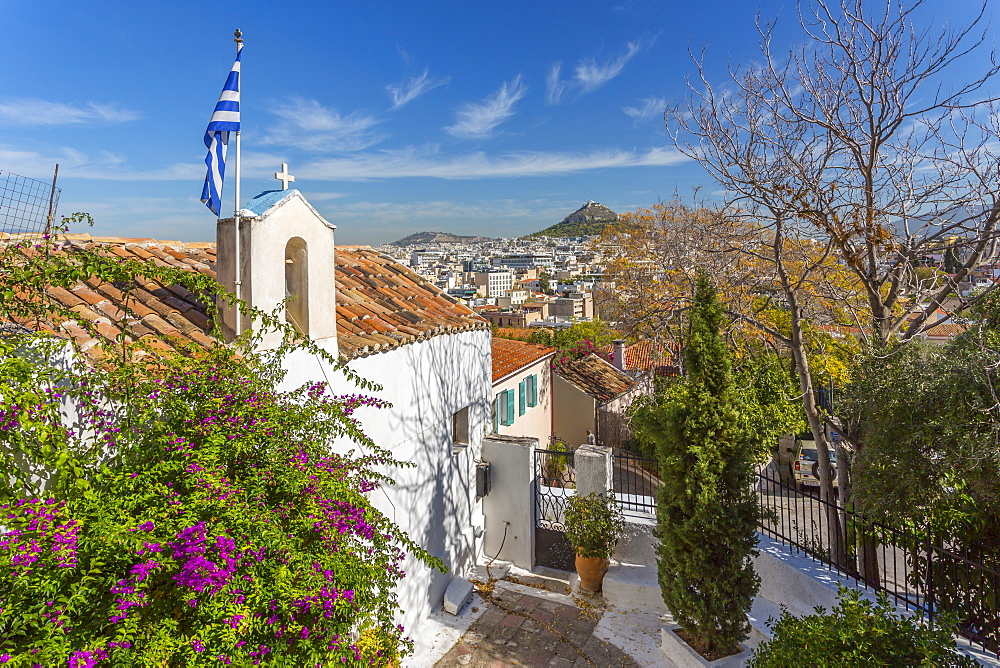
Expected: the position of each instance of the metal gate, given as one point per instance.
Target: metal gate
(555, 482)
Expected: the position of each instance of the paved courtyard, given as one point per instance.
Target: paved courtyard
(525, 627)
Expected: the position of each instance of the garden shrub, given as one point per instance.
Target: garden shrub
(859, 632)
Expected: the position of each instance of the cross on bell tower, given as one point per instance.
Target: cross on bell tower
(284, 176)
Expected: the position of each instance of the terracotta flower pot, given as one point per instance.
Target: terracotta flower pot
(591, 571)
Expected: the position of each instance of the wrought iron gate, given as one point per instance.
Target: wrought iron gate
(555, 482)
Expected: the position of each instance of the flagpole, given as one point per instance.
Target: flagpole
(238, 34)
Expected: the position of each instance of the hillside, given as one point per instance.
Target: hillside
(589, 219)
(438, 238)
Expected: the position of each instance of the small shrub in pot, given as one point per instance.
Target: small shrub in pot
(594, 523)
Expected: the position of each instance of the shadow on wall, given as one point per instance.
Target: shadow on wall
(434, 502)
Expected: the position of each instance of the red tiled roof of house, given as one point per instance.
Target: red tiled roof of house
(509, 356)
(643, 355)
(945, 330)
(596, 377)
(380, 303)
(517, 333)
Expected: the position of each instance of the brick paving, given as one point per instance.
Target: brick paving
(500, 638)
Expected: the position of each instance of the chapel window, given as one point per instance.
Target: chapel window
(297, 284)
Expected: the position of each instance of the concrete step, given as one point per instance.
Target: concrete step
(633, 586)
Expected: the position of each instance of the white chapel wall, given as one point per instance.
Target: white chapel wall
(434, 502)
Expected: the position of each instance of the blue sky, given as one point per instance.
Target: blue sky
(495, 118)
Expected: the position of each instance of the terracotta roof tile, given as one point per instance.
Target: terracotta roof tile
(596, 377)
(509, 356)
(945, 330)
(88, 295)
(644, 355)
(380, 303)
(518, 333)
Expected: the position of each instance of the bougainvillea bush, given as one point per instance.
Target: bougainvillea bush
(194, 516)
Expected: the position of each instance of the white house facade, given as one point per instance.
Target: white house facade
(522, 389)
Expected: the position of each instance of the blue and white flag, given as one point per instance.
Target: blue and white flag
(226, 119)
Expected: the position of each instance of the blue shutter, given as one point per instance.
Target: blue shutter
(510, 407)
(521, 397)
(533, 390)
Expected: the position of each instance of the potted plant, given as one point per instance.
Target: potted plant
(594, 524)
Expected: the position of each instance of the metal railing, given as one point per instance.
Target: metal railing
(636, 481)
(918, 572)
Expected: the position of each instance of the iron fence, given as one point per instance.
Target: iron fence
(636, 482)
(917, 571)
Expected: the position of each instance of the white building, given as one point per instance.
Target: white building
(494, 283)
(524, 261)
(429, 354)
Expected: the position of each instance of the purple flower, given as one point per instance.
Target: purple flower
(197, 645)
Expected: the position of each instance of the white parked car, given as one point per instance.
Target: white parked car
(805, 468)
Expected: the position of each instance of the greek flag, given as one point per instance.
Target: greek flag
(226, 119)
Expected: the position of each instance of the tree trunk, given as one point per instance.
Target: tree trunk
(834, 537)
(834, 529)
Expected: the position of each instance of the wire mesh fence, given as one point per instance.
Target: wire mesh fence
(27, 206)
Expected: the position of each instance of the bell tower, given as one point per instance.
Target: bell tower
(286, 251)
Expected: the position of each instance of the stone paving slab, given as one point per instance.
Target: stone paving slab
(536, 631)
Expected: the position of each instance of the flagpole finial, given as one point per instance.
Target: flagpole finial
(239, 36)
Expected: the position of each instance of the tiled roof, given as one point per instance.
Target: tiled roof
(517, 333)
(596, 377)
(380, 303)
(643, 355)
(160, 316)
(509, 356)
(945, 330)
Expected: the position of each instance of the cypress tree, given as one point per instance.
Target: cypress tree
(707, 510)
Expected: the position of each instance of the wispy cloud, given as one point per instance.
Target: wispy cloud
(554, 86)
(307, 124)
(32, 111)
(103, 166)
(590, 74)
(423, 161)
(408, 91)
(648, 109)
(107, 166)
(478, 119)
(427, 162)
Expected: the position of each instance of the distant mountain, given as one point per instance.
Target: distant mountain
(438, 238)
(591, 218)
